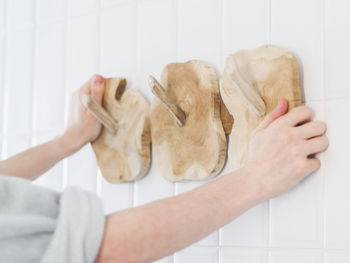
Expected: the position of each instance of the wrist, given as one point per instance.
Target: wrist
(69, 144)
(247, 184)
(253, 178)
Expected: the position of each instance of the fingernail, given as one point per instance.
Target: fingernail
(98, 79)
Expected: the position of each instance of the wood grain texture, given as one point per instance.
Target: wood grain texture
(124, 156)
(198, 149)
(273, 74)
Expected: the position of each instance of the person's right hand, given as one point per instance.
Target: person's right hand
(82, 126)
(283, 147)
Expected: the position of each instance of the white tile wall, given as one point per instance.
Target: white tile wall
(337, 54)
(251, 229)
(293, 256)
(2, 15)
(50, 11)
(52, 178)
(49, 91)
(20, 13)
(49, 48)
(198, 254)
(296, 218)
(337, 214)
(251, 255)
(18, 80)
(198, 37)
(293, 27)
(337, 257)
(245, 25)
(2, 71)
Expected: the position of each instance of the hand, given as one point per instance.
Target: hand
(282, 148)
(82, 126)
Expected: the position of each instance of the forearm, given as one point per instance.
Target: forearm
(159, 229)
(35, 161)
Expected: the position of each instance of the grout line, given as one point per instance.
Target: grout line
(221, 67)
(269, 217)
(4, 93)
(99, 58)
(177, 30)
(268, 255)
(33, 74)
(221, 33)
(174, 185)
(138, 46)
(324, 210)
(270, 20)
(66, 90)
(268, 249)
(137, 66)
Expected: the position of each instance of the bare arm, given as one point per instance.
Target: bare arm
(35, 161)
(158, 229)
(82, 128)
(279, 158)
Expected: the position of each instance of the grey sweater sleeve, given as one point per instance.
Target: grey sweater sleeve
(40, 225)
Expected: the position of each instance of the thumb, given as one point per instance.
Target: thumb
(280, 110)
(97, 88)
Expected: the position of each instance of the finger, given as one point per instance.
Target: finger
(313, 165)
(316, 145)
(280, 110)
(297, 116)
(87, 85)
(312, 129)
(97, 88)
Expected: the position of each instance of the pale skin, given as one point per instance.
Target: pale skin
(282, 153)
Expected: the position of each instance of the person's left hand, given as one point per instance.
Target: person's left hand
(82, 126)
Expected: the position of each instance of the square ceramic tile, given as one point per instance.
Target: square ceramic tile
(116, 197)
(182, 187)
(2, 15)
(20, 13)
(82, 52)
(245, 25)
(293, 256)
(199, 37)
(337, 181)
(156, 40)
(303, 35)
(82, 7)
(337, 257)
(296, 217)
(248, 255)
(118, 41)
(19, 65)
(197, 254)
(16, 144)
(2, 143)
(49, 84)
(145, 187)
(248, 230)
(337, 21)
(2, 74)
(53, 177)
(80, 173)
(109, 3)
(50, 10)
